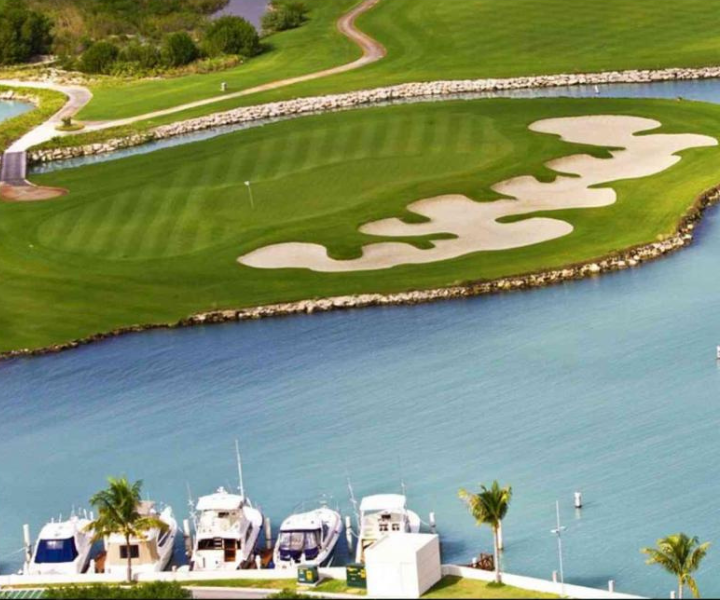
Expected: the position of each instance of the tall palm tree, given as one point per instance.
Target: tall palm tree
(118, 512)
(681, 556)
(489, 507)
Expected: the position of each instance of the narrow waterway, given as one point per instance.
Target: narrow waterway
(707, 90)
(607, 386)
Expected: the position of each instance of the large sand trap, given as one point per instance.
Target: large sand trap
(475, 224)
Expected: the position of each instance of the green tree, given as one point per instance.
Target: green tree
(99, 58)
(179, 49)
(23, 33)
(489, 507)
(232, 35)
(118, 513)
(681, 556)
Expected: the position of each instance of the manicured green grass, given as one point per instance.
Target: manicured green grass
(456, 587)
(329, 586)
(48, 103)
(315, 46)
(154, 238)
(454, 39)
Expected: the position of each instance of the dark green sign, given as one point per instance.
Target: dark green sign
(356, 577)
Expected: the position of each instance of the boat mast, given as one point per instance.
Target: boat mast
(239, 466)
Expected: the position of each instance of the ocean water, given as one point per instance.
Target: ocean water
(608, 386)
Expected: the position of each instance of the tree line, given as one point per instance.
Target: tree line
(142, 44)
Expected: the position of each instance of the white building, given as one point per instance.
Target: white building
(404, 565)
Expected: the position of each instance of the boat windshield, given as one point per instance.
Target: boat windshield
(295, 543)
(56, 551)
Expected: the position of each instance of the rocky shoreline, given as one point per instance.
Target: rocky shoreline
(348, 101)
(618, 261)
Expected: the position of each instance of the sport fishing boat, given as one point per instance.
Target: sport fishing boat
(227, 529)
(150, 552)
(62, 548)
(381, 515)
(308, 538)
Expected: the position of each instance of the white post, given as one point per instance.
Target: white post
(558, 532)
(252, 200)
(611, 586)
(555, 577)
(258, 562)
(433, 524)
(268, 533)
(349, 532)
(578, 500)
(672, 594)
(28, 546)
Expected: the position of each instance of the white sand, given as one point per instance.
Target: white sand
(475, 224)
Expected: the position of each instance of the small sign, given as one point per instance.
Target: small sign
(355, 576)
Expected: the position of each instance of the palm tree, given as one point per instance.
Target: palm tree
(118, 512)
(489, 507)
(680, 555)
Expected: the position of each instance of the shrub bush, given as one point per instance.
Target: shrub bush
(179, 49)
(284, 14)
(99, 58)
(158, 590)
(232, 35)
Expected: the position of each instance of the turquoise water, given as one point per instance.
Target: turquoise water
(607, 386)
(9, 109)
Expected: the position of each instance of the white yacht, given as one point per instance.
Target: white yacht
(227, 529)
(150, 552)
(383, 515)
(308, 538)
(62, 548)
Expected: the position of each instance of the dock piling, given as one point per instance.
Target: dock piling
(268, 534)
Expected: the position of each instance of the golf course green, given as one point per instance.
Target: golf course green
(429, 40)
(156, 237)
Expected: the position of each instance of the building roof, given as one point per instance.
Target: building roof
(391, 502)
(399, 547)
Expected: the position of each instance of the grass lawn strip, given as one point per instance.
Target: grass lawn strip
(463, 39)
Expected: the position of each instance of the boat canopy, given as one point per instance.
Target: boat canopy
(56, 551)
(390, 502)
(221, 501)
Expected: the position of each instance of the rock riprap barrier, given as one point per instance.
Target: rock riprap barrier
(409, 91)
(476, 226)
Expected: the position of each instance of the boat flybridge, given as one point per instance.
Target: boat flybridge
(62, 548)
(308, 538)
(227, 529)
(381, 515)
(150, 552)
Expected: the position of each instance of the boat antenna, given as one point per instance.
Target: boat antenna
(239, 466)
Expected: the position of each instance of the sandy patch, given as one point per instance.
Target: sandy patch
(475, 224)
(29, 193)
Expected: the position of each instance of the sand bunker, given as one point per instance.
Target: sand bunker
(475, 224)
